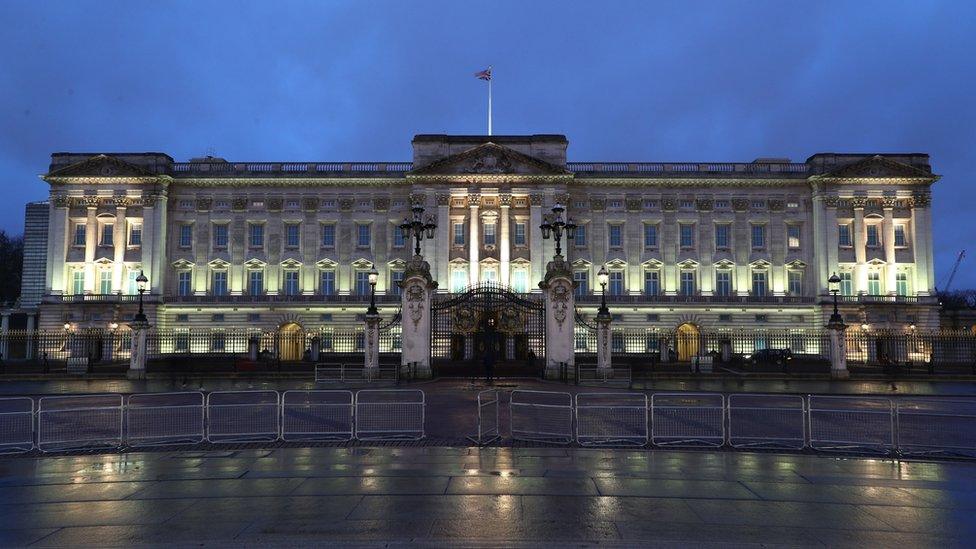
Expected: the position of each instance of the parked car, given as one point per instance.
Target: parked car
(780, 357)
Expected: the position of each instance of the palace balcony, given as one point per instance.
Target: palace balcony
(880, 299)
(336, 299)
(697, 299)
(99, 298)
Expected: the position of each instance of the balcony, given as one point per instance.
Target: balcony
(697, 299)
(877, 299)
(100, 298)
(381, 299)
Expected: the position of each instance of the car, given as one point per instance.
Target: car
(771, 356)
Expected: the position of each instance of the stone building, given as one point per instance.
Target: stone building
(288, 245)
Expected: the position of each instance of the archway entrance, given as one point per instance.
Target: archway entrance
(291, 342)
(689, 339)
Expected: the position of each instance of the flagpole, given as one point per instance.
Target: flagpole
(489, 104)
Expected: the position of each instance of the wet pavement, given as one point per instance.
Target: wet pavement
(483, 497)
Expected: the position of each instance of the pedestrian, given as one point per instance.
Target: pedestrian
(531, 359)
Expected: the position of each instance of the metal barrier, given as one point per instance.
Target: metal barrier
(328, 373)
(936, 426)
(79, 421)
(159, 419)
(487, 418)
(390, 414)
(541, 416)
(687, 419)
(767, 421)
(611, 419)
(317, 415)
(838, 423)
(341, 373)
(616, 376)
(242, 416)
(16, 425)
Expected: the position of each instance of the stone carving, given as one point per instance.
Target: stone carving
(776, 205)
(474, 199)
(559, 293)
(381, 203)
(310, 204)
(505, 200)
(562, 198)
(889, 202)
(416, 302)
(345, 204)
(91, 201)
(703, 204)
(443, 199)
(858, 201)
(465, 320)
(830, 200)
(598, 204)
(275, 204)
(61, 201)
(204, 204)
(418, 199)
(238, 204)
(535, 199)
(634, 204)
(740, 204)
(669, 204)
(923, 199)
(489, 163)
(510, 321)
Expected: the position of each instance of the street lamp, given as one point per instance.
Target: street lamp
(834, 285)
(554, 226)
(372, 276)
(419, 228)
(603, 277)
(141, 282)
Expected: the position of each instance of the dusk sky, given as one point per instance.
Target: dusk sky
(624, 81)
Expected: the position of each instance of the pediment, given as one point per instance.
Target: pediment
(879, 167)
(490, 158)
(101, 166)
(326, 264)
(291, 264)
(182, 264)
(724, 264)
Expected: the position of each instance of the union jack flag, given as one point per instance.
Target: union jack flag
(483, 75)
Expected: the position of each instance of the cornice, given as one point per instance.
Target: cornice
(480, 179)
(103, 180)
(876, 180)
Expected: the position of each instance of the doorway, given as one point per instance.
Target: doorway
(689, 339)
(291, 342)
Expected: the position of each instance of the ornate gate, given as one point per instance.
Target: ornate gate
(487, 319)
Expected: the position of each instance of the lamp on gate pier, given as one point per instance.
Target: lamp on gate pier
(603, 277)
(141, 282)
(373, 276)
(554, 226)
(420, 229)
(834, 284)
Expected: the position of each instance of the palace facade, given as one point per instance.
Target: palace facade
(275, 244)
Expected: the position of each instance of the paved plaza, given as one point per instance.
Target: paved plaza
(483, 497)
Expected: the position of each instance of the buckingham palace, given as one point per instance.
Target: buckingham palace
(291, 245)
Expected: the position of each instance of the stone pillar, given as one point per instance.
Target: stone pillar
(137, 356)
(58, 235)
(315, 346)
(888, 230)
(922, 223)
(603, 350)
(838, 350)
(473, 243)
(119, 244)
(860, 249)
(91, 241)
(444, 240)
(537, 256)
(832, 244)
(417, 290)
(560, 317)
(4, 334)
(31, 326)
(504, 250)
(372, 350)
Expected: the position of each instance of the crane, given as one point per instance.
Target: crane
(952, 273)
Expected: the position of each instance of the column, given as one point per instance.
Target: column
(474, 244)
(91, 241)
(442, 241)
(504, 251)
(57, 240)
(888, 234)
(634, 245)
(832, 244)
(418, 288)
(560, 307)
(922, 243)
(536, 254)
(137, 355)
(860, 249)
(119, 243)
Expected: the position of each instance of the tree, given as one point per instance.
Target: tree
(11, 267)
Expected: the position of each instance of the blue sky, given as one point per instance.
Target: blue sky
(673, 81)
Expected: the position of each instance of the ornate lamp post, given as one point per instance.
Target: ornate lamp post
(834, 285)
(373, 276)
(421, 230)
(553, 226)
(141, 282)
(603, 277)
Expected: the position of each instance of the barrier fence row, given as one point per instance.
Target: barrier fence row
(108, 421)
(904, 426)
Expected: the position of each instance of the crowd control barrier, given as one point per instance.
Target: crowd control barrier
(541, 416)
(242, 416)
(688, 419)
(160, 419)
(317, 415)
(611, 419)
(390, 414)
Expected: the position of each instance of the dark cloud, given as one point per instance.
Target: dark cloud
(624, 81)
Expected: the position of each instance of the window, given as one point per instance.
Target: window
(758, 236)
(687, 283)
(722, 236)
(759, 283)
(254, 317)
(217, 317)
(723, 283)
(900, 241)
(650, 236)
(579, 239)
(846, 283)
(186, 236)
(686, 235)
(653, 317)
(77, 282)
(721, 204)
(794, 282)
(135, 234)
(901, 284)
(220, 236)
(761, 344)
(519, 237)
(398, 239)
(616, 283)
(489, 275)
(759, 204)
(459, 280)
(327, 282)
(582, 280)
(219, 283)
(256, 235)
(616, 236)
(104, 282)
(184, 283)
(874, 283)
(363, 236)
(395, 278)
(183, 318)
(325, 317)
(686, 204)
(792, 236)
(844, 235)
(108, 236)
(132, 287)
(874, 239)
(291, 283)
(255, 282)
(328, 236)
(293, 233)
(80, 229)
(459, 234)
(520, 280)
(652, 282)
(362, 282)
(489, 234)
(725, 318)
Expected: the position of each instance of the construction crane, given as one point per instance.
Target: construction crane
(952, 273)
